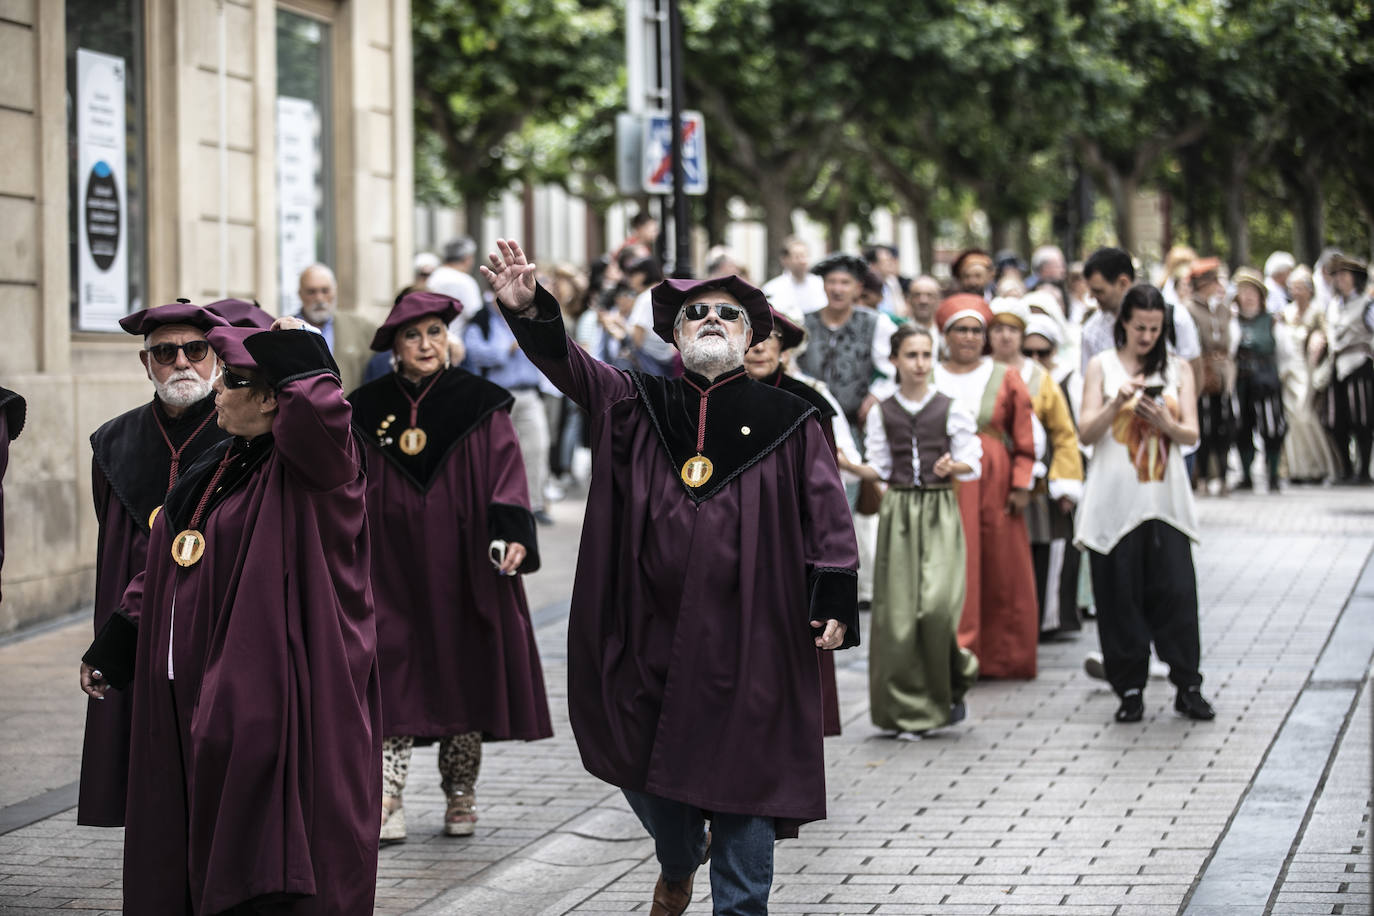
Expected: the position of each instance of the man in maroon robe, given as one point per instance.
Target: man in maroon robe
(717, 555)
(12, 410)
(255, 780)
(136, 459)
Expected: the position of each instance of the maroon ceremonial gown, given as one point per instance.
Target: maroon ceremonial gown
(256, 773)
(130, 469)
(692, 667)
(454, 640)
(1000, 623)
(12, 410)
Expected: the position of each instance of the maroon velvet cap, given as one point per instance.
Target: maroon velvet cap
(792, 334)
(669, 295)
(179, 312)
(411, 306)
(228, 345)
(242, 314)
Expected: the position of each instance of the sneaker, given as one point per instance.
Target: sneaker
(553, 492)
(1132, 708)
(1191, 704)
(543, 517)
(1093, 667)
(908, 736)
(958, 712)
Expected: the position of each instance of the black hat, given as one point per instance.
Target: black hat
(669, 295)
(855, 267)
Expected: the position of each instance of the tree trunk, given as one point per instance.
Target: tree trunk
(925, 237)
(1023, 239)
(1122, 190)
(777, 217)
(1237, 227)
(1309, 214)
(474, 209)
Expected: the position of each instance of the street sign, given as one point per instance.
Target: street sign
(658, 161)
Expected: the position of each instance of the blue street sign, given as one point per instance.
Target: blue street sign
(657, 159)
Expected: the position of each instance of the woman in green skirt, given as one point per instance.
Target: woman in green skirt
(918, 442)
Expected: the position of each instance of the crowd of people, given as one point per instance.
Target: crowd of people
(313, 537)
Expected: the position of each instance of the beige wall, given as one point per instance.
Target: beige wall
(75, 381)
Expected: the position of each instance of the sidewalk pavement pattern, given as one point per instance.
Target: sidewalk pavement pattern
(1038, 804)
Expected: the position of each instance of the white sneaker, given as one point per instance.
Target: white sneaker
(908, 736)
(553, 492)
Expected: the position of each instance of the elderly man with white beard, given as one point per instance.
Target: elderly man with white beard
(137, 458)
(717, 561)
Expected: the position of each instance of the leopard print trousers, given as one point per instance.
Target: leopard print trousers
(460, 757)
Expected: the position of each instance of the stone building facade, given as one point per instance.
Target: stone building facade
(254, 136)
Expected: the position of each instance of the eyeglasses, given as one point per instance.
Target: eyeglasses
(727, 312)
(966, 331)
(1036, 352)
(232, 379)
(166, 353)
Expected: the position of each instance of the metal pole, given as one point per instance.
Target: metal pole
(682, 258)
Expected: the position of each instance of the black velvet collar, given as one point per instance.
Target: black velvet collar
(15, 408)
(791, 385)
(185, 496)
(131, 454)
(452, 409)
(745, 421)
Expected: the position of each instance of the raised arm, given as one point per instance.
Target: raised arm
(311, 429)
(537, 323)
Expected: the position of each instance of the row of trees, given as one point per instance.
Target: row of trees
(1254, 116)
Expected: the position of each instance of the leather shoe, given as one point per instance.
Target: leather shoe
(671, 897)
(1132, 707)
(1191, 704)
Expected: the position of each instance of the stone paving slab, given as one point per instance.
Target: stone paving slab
(1039, 804)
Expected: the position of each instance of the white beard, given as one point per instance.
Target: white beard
(182, 389)
(712, 355)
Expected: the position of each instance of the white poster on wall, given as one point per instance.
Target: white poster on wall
(297, 163)
(102, 223)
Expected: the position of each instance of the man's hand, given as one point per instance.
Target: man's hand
(1017, 501)
(1066, 505)
(287, 323)
(511, 277)
(833, 637)
(93, 682)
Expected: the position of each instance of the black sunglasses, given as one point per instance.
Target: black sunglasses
(1034, 353)
(699, 310)
(166, 353)
(232, 379)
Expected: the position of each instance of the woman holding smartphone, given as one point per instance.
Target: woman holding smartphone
(1137, 517)
(449, 511)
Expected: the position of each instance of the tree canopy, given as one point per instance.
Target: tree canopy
(1251, 116)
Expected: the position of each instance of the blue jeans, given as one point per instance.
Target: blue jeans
(741, 850)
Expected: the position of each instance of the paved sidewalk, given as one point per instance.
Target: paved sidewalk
(1038, 805)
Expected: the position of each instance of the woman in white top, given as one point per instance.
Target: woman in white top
(1137, 518)
(918, 441)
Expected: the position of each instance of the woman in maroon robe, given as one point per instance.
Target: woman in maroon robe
(255, 778)
(454, 639)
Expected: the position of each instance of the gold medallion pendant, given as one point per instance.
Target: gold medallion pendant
(188, 547)
(697, 471)
(152, 516)
(413, 440)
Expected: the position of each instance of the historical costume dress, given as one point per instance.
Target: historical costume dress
(1138, 522)
(255, 779)
(1055, 558)
(137, 457)
(454, 639)
(917, 671)
(1216, 383)
(1000, 622)
(716, 530)
(1259, 393)
(1349, 402)
(1307, 451)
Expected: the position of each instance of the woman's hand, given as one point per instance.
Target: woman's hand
(1128, 390)
(515, 555)
(1154, 413)
(943, 465)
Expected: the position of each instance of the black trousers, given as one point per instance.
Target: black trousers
(1217, 427)
(1146, 591)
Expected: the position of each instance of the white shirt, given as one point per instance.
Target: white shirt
(642, 316)
(964, 444)
(1277, 300)
(454, 283)
(966, 388)
(794, 299)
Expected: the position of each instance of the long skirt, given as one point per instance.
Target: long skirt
(1306, 450)
(916, 669)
